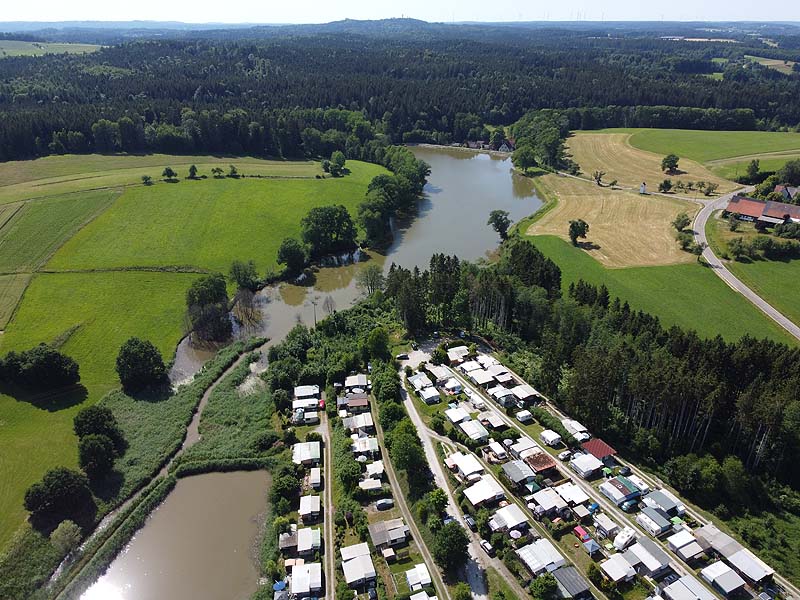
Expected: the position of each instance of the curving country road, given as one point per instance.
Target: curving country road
(722, 271)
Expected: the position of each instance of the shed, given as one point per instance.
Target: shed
(356, 381)
(375, 469)
(522, 446)
(750, 566)
(365, 445)
(497, 449)
(649, 559)
(571, 584)
(363, 421)
(491, 419)
(690, 551)
(439, 373)
(370, 484)
(665, 502)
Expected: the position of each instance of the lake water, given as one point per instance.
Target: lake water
(200, 544)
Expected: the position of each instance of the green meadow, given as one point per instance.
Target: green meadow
(206, 224)
(19, 48)
(768, 162)
(688, 295)
(705, 146)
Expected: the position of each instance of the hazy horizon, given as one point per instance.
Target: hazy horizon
(253, 12)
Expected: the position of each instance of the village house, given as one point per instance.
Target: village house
(495, 452)
(767, 212)
(571, 584)
(509, 518)
(619, 490)
(585, 465)
(465, 466)
(306, 580)
(788, 192)
(572, 493)
(355, 383)
(647, 558)
(361, 423)
(388, 534)
(518, 472)
(503, 396)
(310, 507)
(547, 503)
(665, 501)
(523, 447)
(722, 578)
(469, 366)
(550, 437)
(484, 491)
(306, 397)
(654, 521)
(418, 577)
(617, 568)
(492, 420)
(370, 484)
(420, 381)
(375, 470)
(606, 528)
(315, 478)
(686, 588)
(366, 446)
(302, 542)
(438, 373)
(456, 415)
(599, 449)
(474, 430)
(524, 394)
(457, 355)
(357, 565)
(684, 544)
(353, 403)
(540, 557)
(306, 453)
(540, 461)
(576, 429)
(430, 395)
(743, 561)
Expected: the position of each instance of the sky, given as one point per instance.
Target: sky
(320, 11)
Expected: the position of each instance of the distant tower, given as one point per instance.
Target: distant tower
(643, 188)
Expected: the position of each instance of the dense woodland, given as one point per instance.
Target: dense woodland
(248, 92)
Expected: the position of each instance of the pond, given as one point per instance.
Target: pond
(463, 187)
(200, 543)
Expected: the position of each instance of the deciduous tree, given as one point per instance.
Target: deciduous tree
(669, 164)
(577, 229)
(140, 365)
(500, 222)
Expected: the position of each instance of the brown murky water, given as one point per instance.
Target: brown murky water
(198, 545)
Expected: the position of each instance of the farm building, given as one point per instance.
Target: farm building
(508, 518)
(571, 584)
(430, 395)
(780, 212)
(585, 465)
(474, 430)
(386, 534)
(540, 557)
(550, 437)
(788, 192)
(617, 568)
(485, 491)
(306, 453)
(722, 578)
(418, 577)
(745, 209)
(619, 490)
(687, 588)
(599, 449)
(420, 381)
(518, 472)
(306, 580)
(465, 466)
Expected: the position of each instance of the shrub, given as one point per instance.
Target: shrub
(66, 537)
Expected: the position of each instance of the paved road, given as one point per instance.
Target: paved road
(722, 271)
(400, 500)
(328, 532)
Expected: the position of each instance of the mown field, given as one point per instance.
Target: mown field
(625, 229)
(688, 295)
(22, 180)
(11, 289)
(777, 281)
(629, 165)
(782, 66)
(206, 224)
(733, 168)
(18, 48)
(704, 146)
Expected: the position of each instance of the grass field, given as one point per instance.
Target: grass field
(733, 168)
(778, 282)
(18, 48)
(11, 289)
(705, 146)
(687, 295)
(206, 224)
(90, 315)
(52, 175)
(625, 229)
(614, 154)
(782, 66)
(37, 229)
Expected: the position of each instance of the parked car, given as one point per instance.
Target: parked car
(565, 455)
(470, 522)
(626, 470)
(372, 594)
(402, 356)
(384, 504)
(487, 547)
(593, 508)
(629, 505)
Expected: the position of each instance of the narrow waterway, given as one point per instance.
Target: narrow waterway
(199, 544)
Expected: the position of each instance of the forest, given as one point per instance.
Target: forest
(251, 93)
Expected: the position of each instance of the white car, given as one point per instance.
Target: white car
(565, 455)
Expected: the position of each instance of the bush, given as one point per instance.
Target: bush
(66, 537)
(139, 365)
(40, 368)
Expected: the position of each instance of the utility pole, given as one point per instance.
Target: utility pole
(314, 303)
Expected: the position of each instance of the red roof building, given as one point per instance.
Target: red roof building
(746, 207)
(540, 462)
(781, 210)
(598, 448)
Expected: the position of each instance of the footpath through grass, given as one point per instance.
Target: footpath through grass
(688, 295)
(207, 224)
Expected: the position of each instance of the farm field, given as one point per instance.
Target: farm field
(11, 289)
(687, 295)
(88, 315)
(733, 168)
(778, 282)
(37, 229)
(704, 146)
(206, 224)
(782, 66)
(27, 179)
(19, 48)
(625, 229)
(629, 165)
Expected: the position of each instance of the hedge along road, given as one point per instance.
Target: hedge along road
(722, 271)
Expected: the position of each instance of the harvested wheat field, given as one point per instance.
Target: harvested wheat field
(611, 152)
(625, 229)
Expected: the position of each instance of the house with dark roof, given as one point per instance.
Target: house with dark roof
(571, 584)
(780, 212)
(788, 192)
(518, 472)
